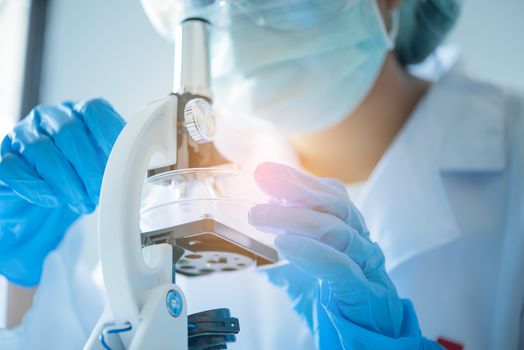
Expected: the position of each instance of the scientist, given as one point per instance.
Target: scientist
(435, 168)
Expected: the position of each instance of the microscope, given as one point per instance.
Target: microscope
(145, 307)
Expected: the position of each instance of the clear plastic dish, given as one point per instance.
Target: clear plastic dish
(221, 195)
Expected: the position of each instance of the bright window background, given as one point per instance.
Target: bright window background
(14, 16)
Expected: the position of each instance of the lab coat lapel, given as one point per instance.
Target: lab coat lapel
(404, 201)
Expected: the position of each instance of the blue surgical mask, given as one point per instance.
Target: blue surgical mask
(269, 72)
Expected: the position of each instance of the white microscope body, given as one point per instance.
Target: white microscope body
(145, 309)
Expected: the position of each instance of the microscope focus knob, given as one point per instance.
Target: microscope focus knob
(199, 120)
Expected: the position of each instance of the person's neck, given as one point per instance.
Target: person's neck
(350, 150)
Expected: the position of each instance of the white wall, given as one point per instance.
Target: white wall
(491, 34)
(101, 48)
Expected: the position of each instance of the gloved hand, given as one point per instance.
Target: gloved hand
(320, 232)
(51, 169)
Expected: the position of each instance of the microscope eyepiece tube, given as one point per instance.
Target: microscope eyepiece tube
(192, 66)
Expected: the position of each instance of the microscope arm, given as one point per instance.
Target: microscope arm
(141, 312)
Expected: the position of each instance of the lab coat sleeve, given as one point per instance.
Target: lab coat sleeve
(66, 304)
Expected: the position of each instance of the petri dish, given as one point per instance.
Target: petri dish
(205, 212)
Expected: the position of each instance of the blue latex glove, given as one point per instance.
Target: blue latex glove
(336, 272)
(51, 170)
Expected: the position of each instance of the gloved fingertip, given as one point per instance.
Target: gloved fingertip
(282, 182)
(258, 215)
(27, 281)
(286, 244)
(265, 168)
(90, 207)
(69, 104)
(298, 247)
(102, 120)
(95, 198)
(250, 218)
(98, 102)
(100, 107)
(266, 171)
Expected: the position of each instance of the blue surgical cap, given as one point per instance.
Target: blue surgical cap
(423, 26)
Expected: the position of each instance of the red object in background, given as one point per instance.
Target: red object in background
(449, 344)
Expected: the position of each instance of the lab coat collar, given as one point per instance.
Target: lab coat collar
(457, 127)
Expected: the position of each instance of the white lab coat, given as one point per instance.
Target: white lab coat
(445, 202)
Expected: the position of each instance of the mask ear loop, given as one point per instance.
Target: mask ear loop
(390, 36)
(395, 24)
